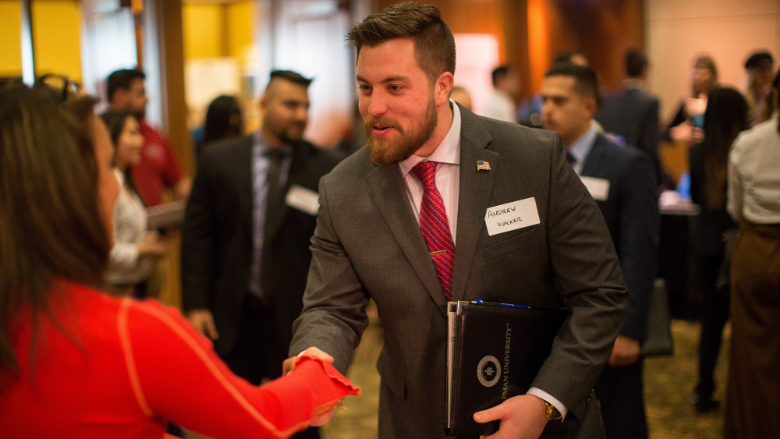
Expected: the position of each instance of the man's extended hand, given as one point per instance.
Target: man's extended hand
(289, 365)
(522, 417)
(203, 321)
(625, 352)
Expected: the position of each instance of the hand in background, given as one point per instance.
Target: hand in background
(694, 106)
(682, 132)
(153, 246)
(522, 417)
(203, 321)
(625, 351)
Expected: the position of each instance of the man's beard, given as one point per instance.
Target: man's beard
(386, 152)
(138, 114)
(285, 133)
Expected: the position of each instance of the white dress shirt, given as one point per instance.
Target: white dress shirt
(125, 266)
(581, 147)
(447, 154)
(754, 175)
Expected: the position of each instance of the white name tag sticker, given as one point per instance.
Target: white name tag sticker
(598, 187)
(305, 200)
(511, 216)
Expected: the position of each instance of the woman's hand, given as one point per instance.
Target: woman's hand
(153, 246)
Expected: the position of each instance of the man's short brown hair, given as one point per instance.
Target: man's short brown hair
(434, 45)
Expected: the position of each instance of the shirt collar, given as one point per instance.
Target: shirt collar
(634, 83)
(448, 150)
(580, 148)
(261, 146)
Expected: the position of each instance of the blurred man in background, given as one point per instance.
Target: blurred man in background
(622, 182)
(159, 167)
(245, 242)
(506, 85)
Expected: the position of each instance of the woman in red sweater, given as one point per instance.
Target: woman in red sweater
(76, 363)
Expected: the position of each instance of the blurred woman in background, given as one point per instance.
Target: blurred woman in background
(135, 249)
(77, 363)
(753, 394)
(223, 121)
(725, 117)
(688, 122)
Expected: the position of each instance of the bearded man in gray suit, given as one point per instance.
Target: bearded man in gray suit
(433, 165)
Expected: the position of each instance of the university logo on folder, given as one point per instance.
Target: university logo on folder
(494, 352)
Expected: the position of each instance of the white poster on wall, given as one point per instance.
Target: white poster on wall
(205, 79)
(477, 56)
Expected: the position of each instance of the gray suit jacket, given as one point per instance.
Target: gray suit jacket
(367, 244)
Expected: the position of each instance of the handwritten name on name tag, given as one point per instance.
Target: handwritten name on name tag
(305, 200)
(598, 187)
(511, 216)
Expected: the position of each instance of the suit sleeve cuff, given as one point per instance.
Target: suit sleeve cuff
(539, 393)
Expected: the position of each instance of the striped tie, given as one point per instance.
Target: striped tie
(434, 226)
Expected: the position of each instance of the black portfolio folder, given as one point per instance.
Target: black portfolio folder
(494, 353)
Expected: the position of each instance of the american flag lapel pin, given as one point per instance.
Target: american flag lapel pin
(483, 165)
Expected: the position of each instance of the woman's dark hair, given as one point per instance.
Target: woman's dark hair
(51, 225)
(724, 118)
(223, 119)
(706, 62)
(115, 122)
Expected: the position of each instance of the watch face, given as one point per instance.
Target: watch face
(552, 412)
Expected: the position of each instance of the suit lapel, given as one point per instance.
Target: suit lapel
(473, 199)
(388, 192)
(277, 209)
(242, 170)
(595, 158)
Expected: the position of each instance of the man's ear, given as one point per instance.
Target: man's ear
(262, 103)
(591, 107)
(119, 98)
(442, 88)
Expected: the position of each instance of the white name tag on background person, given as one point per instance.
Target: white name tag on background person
(598, 187)
(511, 216)
(305, 200)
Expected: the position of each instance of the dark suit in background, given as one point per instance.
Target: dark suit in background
(217, 246)
(633, 115)
(369, 245)
(631, 212)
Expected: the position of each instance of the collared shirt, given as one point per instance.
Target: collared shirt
(260, 184)
(754, 180)
(634, 83)
(580, 148)
(447, 154)
(130, 219)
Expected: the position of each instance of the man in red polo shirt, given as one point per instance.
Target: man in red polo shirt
(159, 167)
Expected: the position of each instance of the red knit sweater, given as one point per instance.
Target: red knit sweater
(121, 368)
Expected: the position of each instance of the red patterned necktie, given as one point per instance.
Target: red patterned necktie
(435, 227)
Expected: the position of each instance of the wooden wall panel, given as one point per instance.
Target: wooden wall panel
(532, 32)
